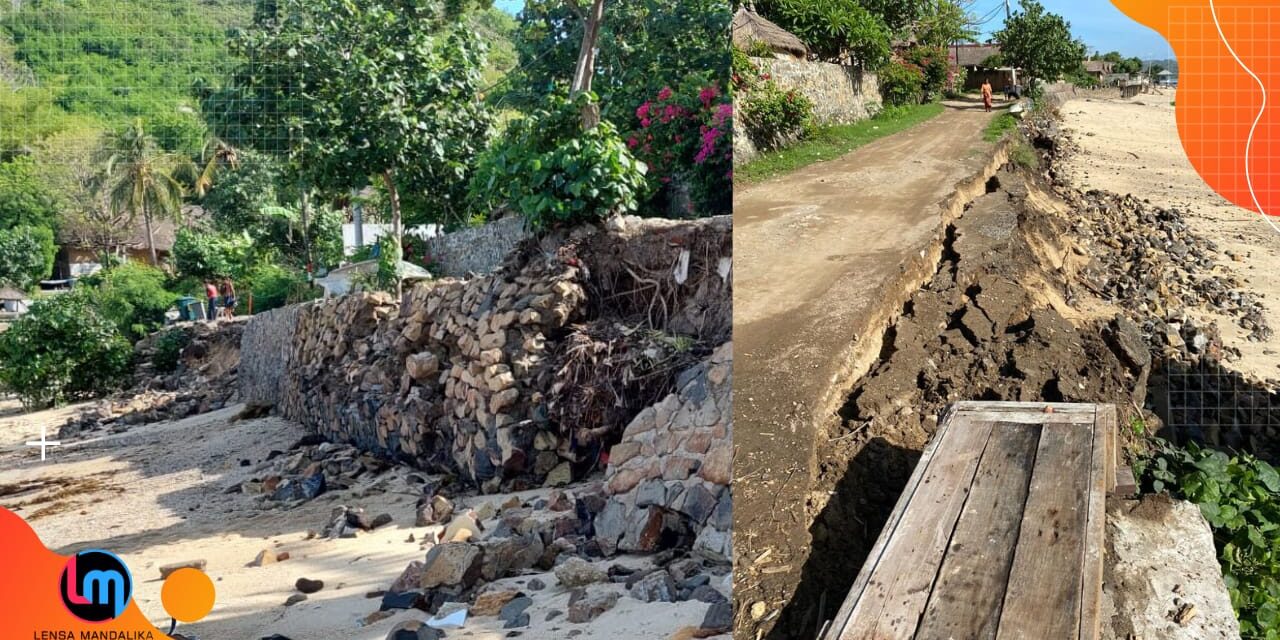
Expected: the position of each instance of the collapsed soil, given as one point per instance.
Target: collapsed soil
(1044, 292)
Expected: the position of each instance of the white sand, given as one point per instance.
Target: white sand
(154, 495)
(1132, 147)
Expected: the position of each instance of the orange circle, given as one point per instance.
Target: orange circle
(187, 595)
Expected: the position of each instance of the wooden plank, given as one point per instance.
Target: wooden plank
(1108, 418)
(967, 598)
(874, 557)
(893, 600)
(1043, 598)
(1031, 417)
(1101, 479)
(1014, 407)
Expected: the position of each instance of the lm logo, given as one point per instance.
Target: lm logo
(95, 586)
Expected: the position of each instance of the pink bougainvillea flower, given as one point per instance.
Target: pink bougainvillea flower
(665, 94)
(707, 95)
(643, 111)
(632, 143)
(645, 122)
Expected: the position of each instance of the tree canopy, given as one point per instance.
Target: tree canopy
(1039, 42)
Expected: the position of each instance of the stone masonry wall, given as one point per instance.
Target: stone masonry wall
(266, 350)
(669, 476)
(477, 250)
(455, 377)
(840, 94)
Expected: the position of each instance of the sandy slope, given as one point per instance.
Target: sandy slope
(1132, 146)
(155, 495)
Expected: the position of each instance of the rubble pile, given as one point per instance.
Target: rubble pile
(311, 467)
(503, 554)
(1147, 260)
(203, 378)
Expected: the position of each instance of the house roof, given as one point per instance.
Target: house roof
(9, 293)
(973, 55)
(1098, 66)
(165, 232)
(750, 27)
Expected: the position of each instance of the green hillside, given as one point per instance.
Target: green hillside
(122, 58)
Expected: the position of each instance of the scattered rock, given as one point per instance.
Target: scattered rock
(577, 572)
(587, 605)
(307, 585)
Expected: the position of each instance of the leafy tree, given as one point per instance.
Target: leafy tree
(236, 202)
(37, 117)
(25, 196)
(834, 29)
(206, 255)
(62, 349)
(945, 22)
(1039, 42)
(644, 45)
(143, 178)
(385, 89)
(26, 256)
(552, 172)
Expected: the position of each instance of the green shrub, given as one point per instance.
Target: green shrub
(774, 117)
(62, 349)
(25, 196)
(133, 296)
(1240, 497)
(901, 83)
(274, 286)
(203, 254)
(932, 62)
(26, 255)
(553, 172)
(168, 351)
(834, 28)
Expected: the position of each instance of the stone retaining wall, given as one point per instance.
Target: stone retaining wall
(669, 476)
(266, 350)
(840, 94)
(477, 250)
(464, 375)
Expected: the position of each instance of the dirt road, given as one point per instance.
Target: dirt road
(826, 257)
(1132, 147)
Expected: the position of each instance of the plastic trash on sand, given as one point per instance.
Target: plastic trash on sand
(455, 619)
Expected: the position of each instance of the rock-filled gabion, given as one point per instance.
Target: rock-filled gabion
(669, 476)
(455, 377)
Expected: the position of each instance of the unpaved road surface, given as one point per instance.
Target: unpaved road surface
(826, 256)
(155, 495)
(1131, 146)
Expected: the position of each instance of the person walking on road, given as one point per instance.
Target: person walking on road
(986, 94)
(211, 293)
(228, 298)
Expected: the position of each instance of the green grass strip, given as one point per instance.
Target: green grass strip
(832, 142)
(999, 126)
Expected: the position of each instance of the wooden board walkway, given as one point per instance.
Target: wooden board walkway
(999, 533)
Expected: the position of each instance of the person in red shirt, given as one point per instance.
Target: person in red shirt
(211, 292)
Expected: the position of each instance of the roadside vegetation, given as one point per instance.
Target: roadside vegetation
(999, 126)
(1240, 497)
(829, 143)
(252, 130)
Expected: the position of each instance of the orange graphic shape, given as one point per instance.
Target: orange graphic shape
(187, 595)
(1218, 101)
(30, 600)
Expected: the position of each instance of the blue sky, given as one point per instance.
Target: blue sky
(510, 6)
(1097, 22)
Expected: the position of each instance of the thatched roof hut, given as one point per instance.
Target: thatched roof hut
(750, 28)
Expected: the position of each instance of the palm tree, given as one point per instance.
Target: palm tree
(141, 178)
(216, 154)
